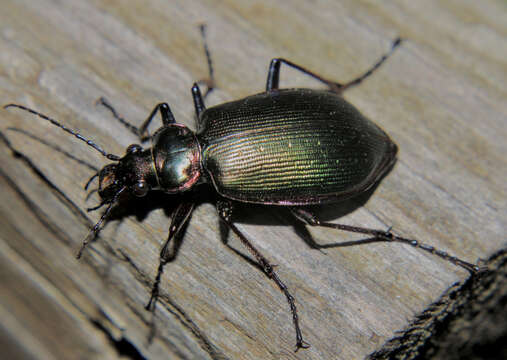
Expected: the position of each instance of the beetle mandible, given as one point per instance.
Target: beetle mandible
(282, 147)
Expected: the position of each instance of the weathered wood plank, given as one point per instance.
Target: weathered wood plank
(441, 97)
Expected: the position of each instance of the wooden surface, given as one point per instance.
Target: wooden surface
(441, 97)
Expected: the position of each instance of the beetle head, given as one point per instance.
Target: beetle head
(134, 173)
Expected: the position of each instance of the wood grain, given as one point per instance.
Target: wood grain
(441, 97)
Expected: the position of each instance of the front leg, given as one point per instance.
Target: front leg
(141, 132)
(224, 208)
(180, 217)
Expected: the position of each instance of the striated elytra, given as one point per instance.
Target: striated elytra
(292, 147)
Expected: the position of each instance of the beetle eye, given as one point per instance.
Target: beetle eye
(133, 148)
(141, 188)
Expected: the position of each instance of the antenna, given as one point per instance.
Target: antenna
(94, 231)
(70, 131)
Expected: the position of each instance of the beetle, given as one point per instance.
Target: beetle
(281, 147)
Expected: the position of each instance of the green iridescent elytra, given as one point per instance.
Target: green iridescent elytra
(292, 147)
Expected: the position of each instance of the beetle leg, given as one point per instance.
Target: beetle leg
(165, 112)
(167, 118)
(375, 66)
(104, 102)
(210, 81)
(309, 218)
(198, 102)
(274, 72)
(179, 219)
(274, 75)
(225, 212)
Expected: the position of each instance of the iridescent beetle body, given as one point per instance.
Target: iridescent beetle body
(285, 147)
(292, 147)
(280, 147)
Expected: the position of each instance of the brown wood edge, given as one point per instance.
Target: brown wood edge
(469, 321)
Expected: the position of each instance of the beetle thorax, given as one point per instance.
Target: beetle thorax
(177, 157)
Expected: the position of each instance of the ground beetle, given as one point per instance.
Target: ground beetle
(285, 147)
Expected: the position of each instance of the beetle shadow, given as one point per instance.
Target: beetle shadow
(139, 208)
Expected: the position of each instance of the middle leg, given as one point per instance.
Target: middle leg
(224, 209)
(274, 72)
